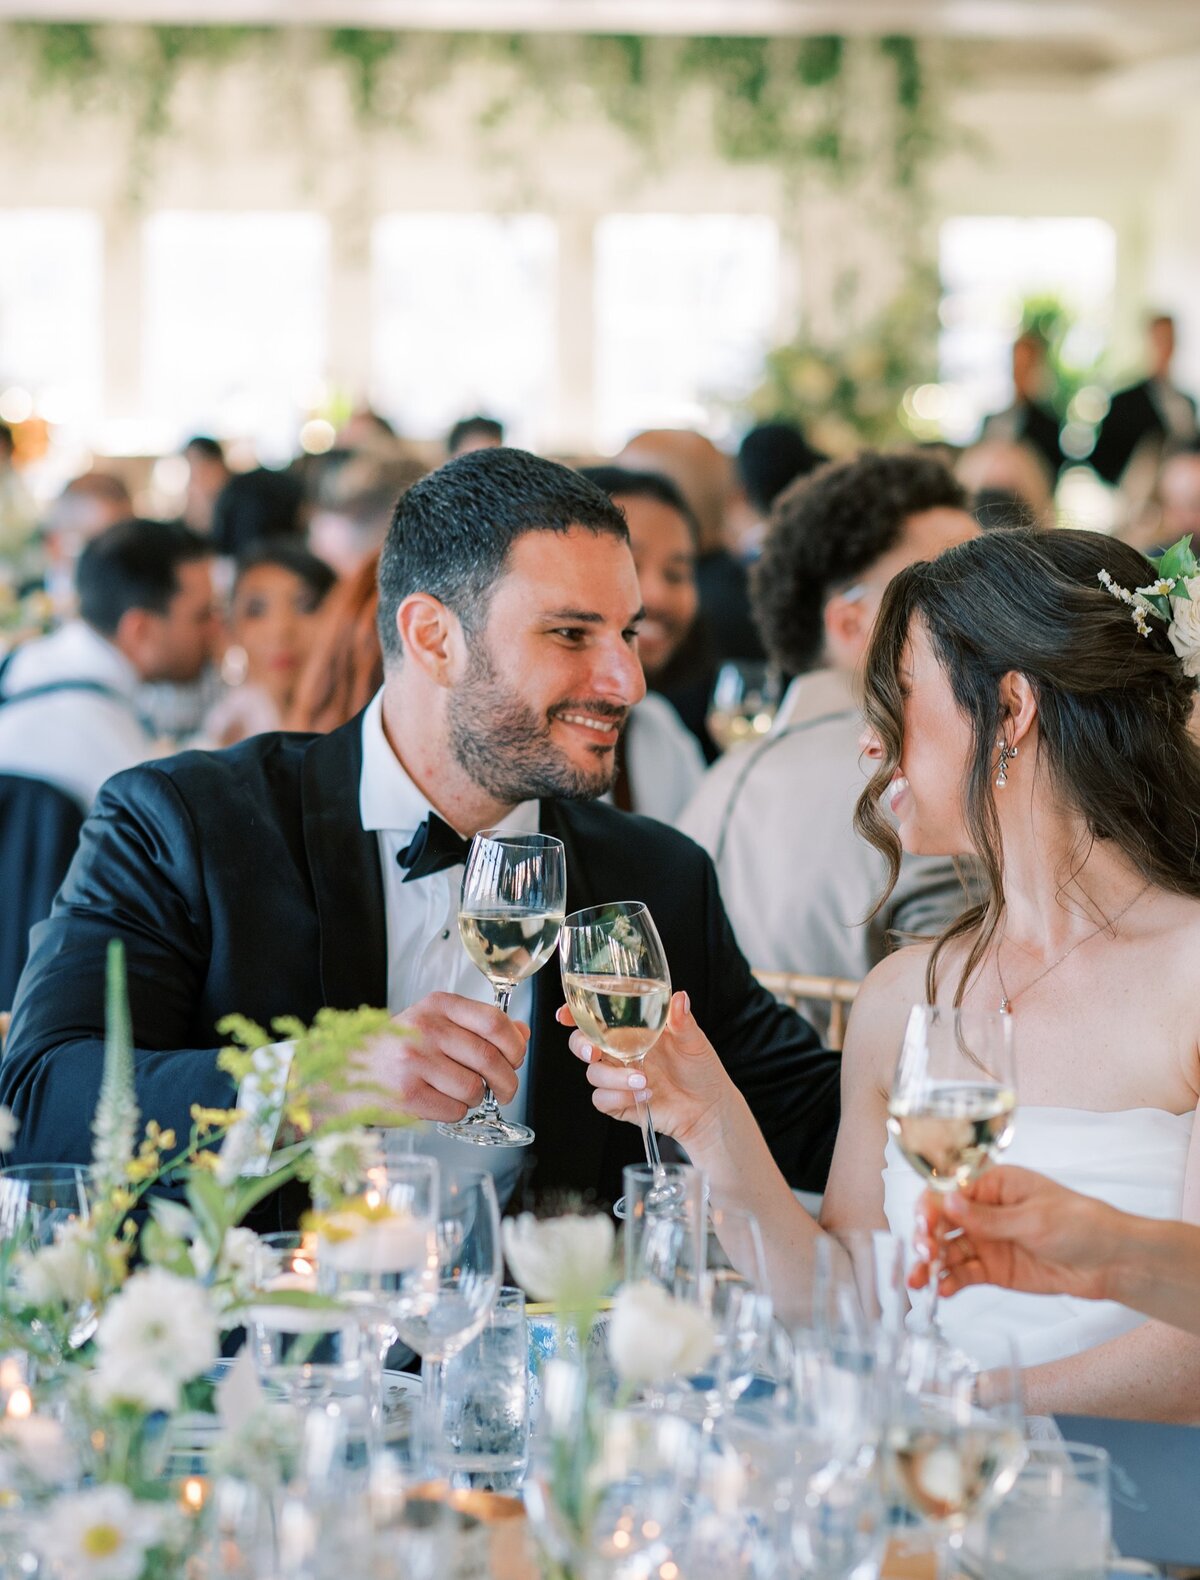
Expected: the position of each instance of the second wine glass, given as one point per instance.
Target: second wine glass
(509, 913)
(618, 987)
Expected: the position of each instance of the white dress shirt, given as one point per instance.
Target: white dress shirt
(74, 739)
(663, 759)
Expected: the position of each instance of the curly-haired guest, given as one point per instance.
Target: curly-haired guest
(834, 541)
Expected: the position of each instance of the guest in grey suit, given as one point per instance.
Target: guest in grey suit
(777, 816)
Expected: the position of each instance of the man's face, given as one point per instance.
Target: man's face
(553, 670)
(1179, 489)
(177, 645)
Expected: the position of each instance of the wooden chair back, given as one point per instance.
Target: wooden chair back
(797, 987)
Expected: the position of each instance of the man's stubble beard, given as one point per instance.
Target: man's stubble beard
(505, 747)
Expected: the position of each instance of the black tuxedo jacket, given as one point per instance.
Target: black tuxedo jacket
(1132, 417)
(243, 881)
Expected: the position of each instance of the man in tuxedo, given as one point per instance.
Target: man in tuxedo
(1029, 419)
(1146, 416)
(292, 872)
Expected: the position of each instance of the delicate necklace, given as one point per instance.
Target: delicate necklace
(1006, 998)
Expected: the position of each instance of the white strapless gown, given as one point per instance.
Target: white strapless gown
(1133, 1159)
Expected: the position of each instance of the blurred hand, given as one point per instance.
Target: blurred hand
(1019, 1231)
(681, 1074)
(439, 1071)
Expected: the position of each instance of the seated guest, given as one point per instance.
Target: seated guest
(997, 465)
(344, 668)
(295, 871)
(1017, 712)
(659, 763)
(87, 505)
(277, 590)
(68, 702)
(355, 501)
(474, 433)
(770, 458)
(257, 505)
(786, 805)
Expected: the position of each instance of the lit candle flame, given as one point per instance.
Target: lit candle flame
(20, 1404)
(194, 1494)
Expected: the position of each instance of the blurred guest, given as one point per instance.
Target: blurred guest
(1179, 495)
(355, 502)
(18, 517)
(1030, 419)
(344, 669)
(87, 505)
(770, 457)
(257, 505)
(278, 588)
(68, 709)
(367, 430)
(704, 477)
(1142, 419)
(474, 433)
(207, 475)
(777, 818)
(1010, 468)
(1002, 507)
(659, 763)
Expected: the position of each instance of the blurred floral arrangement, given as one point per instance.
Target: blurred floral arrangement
(113, 1325)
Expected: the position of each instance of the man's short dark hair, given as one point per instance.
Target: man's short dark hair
(289, 555)
(452, 532)
(826, 531)
(256, 505)
(771, 456)
(622, 482)
(134, 565)
(7, 442)
(207, 446)
(489, 428)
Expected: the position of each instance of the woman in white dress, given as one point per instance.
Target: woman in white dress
(1016, 712)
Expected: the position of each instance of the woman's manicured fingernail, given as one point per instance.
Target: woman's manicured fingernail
(585, 1050)
(687, 1004)
(637, 1081)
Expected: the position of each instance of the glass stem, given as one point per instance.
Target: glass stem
(430, 1413)
(653, 1157)
(501, 995)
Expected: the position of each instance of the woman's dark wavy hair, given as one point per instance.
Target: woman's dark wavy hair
(1113, 706)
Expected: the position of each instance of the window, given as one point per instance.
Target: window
(235, 324)
(464, 321)
(51, 282)
(990, 267)
(685, 308)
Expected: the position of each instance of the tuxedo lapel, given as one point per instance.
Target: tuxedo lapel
(571, 1135)
(343, 861)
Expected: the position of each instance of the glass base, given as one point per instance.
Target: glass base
(488, 1130)
(621, 1211)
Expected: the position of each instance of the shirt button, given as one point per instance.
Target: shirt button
(445, 933)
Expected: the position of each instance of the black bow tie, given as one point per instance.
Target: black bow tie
(434, 847)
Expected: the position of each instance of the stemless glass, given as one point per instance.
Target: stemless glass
(483, 1436)
(509, 912)
(618, 987)
(954, 1435)
(744, 702)
(953, 1100)
(467, 1282)
(311, 1352)
(736, 1294)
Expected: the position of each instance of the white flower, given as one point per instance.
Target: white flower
(341, 1160)
(653, 1336)
(58, 1274)
(567, 1259)
(8, 1128)
(1184, 630)
(36, 1449)
(157, 1334)
(102, 1533)
(238, 1265)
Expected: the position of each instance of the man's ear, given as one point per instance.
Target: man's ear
(1018, 706)
(432, 637)
(134, 636)
(847, 629)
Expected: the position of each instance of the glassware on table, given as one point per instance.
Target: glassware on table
(738, 1300)
(858, 1290)
(744, 702)
(953, 1100)
(1056, 1523)
(665, 1231)
(481, 1437)
(642, 1480)
(39, 1200)
(509, 912)
(954, 1435)
(465, 1283)
(617, 985)
(310, 1351)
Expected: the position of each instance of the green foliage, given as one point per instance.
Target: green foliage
(115, 1123)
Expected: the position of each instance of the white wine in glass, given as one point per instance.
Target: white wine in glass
(954, 1098)
(618, 988)
(509, 913)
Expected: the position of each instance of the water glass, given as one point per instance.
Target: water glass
(737, 1298)
(39, 1200)
(665, 1229)
(481, 1435)
(312, 1352)
(1056, 1523)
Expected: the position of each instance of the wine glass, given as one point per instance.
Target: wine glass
(509, 912)
(618, 988)
(39, 1200)
(311, 1350)
(467, 1281)
(953, 1099)
(954, 1436)
(744, 702)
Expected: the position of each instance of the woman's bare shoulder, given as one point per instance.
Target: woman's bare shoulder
(882, 1007)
